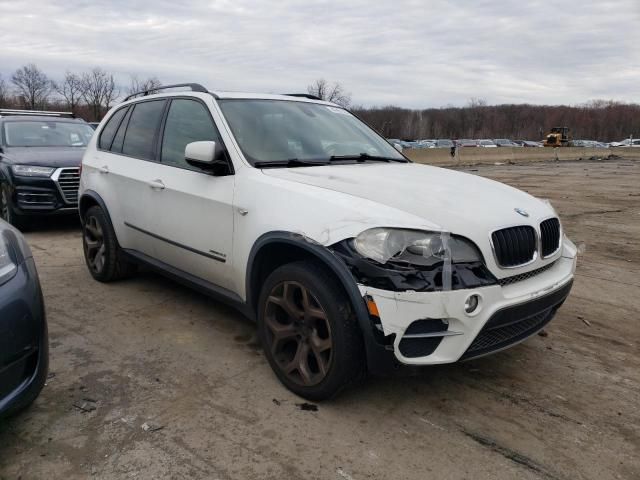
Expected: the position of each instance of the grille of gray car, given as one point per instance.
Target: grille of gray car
(69, 183)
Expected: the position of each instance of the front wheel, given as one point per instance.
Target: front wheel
(102, 254)
(6, 210)
(308, 331)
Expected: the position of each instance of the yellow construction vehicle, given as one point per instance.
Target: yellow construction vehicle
(558, 137)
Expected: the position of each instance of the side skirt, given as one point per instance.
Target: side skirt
(196, 283)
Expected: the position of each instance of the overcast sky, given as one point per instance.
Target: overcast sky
(403, 52)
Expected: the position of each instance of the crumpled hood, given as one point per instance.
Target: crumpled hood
(460, 203)
(44, 156)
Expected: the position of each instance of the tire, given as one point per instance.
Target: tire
(6, 210)
(102, 254)
(318, 349)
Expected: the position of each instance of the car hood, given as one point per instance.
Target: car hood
(457, 202)
(44, 156)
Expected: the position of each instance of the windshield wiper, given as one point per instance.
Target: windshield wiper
(292, 162)
(363, 157)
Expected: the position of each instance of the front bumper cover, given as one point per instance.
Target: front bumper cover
(500, 306)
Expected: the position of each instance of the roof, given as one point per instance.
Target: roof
(39, 118)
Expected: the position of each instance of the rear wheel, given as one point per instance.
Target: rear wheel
(6, 210)
(308, 331)
(102, 254)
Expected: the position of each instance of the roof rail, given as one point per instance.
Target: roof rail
(195, 87)
(303, 95)
(42, 113)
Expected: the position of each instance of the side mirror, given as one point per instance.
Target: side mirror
(206, 156)
(398, 147)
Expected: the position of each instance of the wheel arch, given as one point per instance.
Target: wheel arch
(89, 199)
(277, 248)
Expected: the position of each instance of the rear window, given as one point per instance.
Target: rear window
(139, 140)
(109, 130)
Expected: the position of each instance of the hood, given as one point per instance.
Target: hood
(460, 203)
(44, 156)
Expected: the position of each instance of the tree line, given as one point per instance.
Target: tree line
(90, 94)
(602, 120)
(596, 120)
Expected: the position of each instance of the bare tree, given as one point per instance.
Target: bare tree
(150, 84)
(98, 90)
(330, 92)
(33, 85)
(4, 92)
(71, 88)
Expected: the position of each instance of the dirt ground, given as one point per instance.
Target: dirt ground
(150, 380)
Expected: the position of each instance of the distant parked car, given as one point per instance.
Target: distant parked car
(443, 143)
(505, 142)
(528, 143)
(627, 142)
(24, 352)
(485, 143)
(40, 154)
(466, 143)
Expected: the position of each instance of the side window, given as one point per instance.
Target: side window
(109, 130)
(118, 140)
(187, 121)
(141, 130)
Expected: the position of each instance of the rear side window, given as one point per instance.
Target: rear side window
(139, 140)
(187, 121)
(118, 140)
(109, 130)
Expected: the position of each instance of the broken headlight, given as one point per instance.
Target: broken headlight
(414, 247)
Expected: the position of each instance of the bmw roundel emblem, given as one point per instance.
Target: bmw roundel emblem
(522, 212)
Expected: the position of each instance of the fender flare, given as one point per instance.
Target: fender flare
(336, 266)
(96, 198)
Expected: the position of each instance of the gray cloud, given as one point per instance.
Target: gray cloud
(405, 52)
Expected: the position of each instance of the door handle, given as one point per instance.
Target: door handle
(103, 169)
(156, 184)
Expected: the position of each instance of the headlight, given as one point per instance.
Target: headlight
(32, 171)
(7, 267)
(414, 247)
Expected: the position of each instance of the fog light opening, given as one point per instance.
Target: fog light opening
(471, 304)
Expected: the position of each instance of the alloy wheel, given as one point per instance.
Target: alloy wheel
(4, 206)
(94, 243)
(298, 333)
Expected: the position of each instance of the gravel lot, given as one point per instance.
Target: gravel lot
(151, 380)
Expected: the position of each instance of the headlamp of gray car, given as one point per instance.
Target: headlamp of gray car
(414, 247)
(8, 267)
(32, 171)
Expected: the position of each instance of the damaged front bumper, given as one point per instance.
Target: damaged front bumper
(425, 328)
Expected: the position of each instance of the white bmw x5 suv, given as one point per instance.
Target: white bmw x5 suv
(350, 257)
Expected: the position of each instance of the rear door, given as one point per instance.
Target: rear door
(128, 169)
(194, 211)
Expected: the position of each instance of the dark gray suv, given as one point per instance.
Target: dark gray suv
(40, 154)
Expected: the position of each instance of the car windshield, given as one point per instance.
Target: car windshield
(280, 130)
(47, 133)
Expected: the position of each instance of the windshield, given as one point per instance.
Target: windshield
(280, 130)
(47, 133)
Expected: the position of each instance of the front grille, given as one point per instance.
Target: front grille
(513, 324)
(514, 246)
(524, 276)
(69, 182)
(550, 236)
